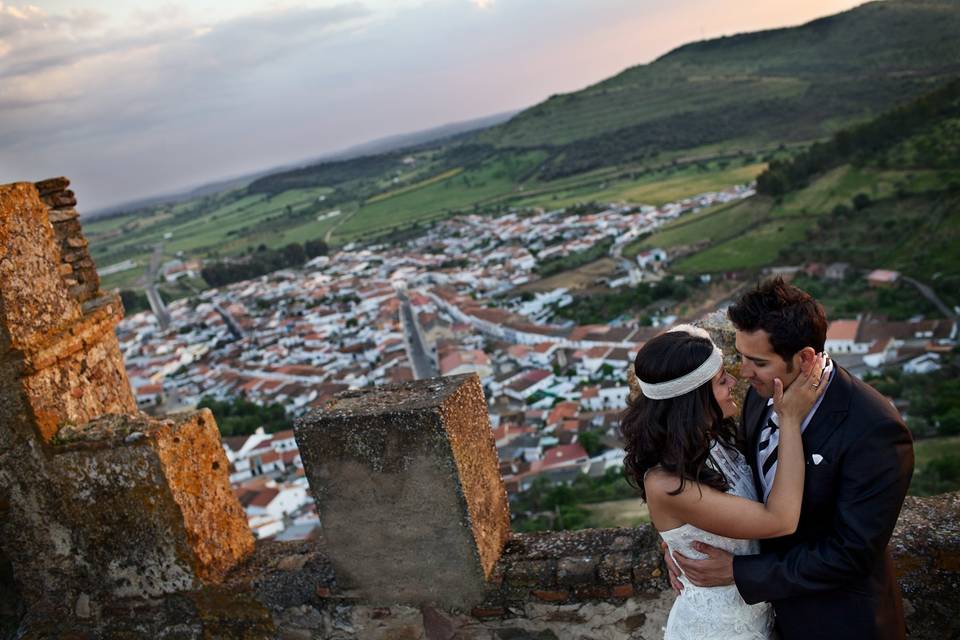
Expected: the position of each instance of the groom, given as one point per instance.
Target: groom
(833, 577)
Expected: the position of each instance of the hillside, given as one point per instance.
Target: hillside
(782, 85)
(703, 117)
(884, 194)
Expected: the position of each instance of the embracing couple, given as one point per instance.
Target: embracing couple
(780, 527)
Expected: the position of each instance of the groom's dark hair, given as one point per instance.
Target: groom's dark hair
(791, 317)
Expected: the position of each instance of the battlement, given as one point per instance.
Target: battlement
(115, 524)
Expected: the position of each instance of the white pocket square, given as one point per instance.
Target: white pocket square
(817, 458)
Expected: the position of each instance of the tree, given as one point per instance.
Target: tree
(294, 254)
(314, 248)
(861, 201)
(590, 440)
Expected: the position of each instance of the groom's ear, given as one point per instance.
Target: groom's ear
(807, 357)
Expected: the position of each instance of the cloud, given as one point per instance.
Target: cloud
(80, 68)
(482, 4)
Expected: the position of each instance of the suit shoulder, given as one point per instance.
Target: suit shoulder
(873, 412)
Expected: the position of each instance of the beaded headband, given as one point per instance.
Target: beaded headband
(689, 381)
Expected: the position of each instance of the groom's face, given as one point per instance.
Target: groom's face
(760, 364)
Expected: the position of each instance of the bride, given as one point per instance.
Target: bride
(697, 485)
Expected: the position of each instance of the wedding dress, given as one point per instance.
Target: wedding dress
(703, 613)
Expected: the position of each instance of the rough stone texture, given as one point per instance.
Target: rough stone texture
(161, 487)
(98, 504)
(82, 280)
(33, 308)
(407, 484)
(926, 555)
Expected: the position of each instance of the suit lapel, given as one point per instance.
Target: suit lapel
(832, 411)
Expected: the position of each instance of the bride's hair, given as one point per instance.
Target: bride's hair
(675, 433)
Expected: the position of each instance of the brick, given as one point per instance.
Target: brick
(60, 199)
(550, 596)
(591, 592)
(622, 591)
(58, 216)
(51, 185)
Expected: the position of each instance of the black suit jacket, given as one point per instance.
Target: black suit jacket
(833, 578)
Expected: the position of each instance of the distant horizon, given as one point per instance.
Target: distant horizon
(134, 100)
(354, 150)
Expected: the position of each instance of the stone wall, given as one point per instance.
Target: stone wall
(117, 525)
(76, 266)
(98, 503)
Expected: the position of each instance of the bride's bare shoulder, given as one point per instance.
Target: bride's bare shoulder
(658, 483)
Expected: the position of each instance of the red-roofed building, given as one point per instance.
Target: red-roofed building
(149, 395)
(528, 384)
(842, 337)
(564, 455)
(562, 411)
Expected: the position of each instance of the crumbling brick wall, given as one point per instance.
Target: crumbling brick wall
(97, 502)
(76, 266)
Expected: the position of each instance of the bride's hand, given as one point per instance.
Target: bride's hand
(795, 403)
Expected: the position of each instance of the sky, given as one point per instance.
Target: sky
(135, 98)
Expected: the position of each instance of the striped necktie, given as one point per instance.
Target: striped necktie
(767, 455)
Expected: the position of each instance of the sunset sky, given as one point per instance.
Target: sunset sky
(136, 98)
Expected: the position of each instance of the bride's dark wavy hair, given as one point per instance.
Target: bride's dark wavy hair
(674, 433)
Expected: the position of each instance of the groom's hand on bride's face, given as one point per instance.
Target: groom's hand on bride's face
(716, 570)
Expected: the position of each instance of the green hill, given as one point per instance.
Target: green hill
(783, 85)
(882, 194)
(703, 117)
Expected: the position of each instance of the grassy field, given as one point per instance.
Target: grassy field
(653, 188)
(714, 224)
(226, 224)
(926, 450)
(574, 279)
(618, 513)
(758, 247)
(457, 192)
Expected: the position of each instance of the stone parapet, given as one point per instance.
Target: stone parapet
(100, 506)
(161, 487)
(408, 488)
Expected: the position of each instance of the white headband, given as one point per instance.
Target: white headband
(690, 381)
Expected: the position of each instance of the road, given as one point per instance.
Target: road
(153, 295)
(232, 325)
(420, 361)
(930, 295)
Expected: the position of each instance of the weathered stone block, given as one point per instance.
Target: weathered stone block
(577, 570)
(408, 487)
(33, 298)
(52, 185)
(149, 502)
(78, 375)
(540, 573)
(62, 215)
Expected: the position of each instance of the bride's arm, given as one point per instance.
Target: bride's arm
(735, 517)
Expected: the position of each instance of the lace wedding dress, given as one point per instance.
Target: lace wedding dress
(703, 613)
